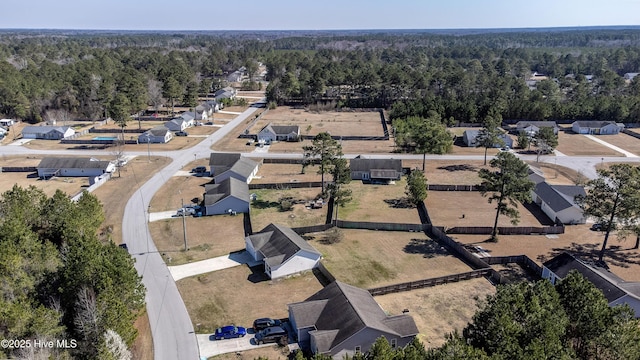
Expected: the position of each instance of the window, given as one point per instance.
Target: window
(358, 349)
(394, 343)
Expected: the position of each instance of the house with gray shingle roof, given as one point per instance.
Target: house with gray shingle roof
(180, 123)
(272, 132)
(226, 197)
(226, 93)
(596, 127)
(559, 202)
(157, 135)
(531, 128)
(344, 320)
(72, 167)
(375, 170)
(470, 139)
(282, 250)
(47, 132)
(226, 165)
(616, 290)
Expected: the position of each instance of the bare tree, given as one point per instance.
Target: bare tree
(116, 346)
(118, 152)
(154, 88)
(87, 317)
(58, 116)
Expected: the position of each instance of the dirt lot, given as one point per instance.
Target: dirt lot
(269, 352)
(238, 296)
(338, 123)
(477, 211)
(578, 145)
(623, 141)
(176, 190)
(439, 310)
(283, 173)
(383, 203)
(266, 209)
(207, 237)
(408, 256)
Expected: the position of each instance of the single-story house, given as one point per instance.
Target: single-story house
(59, 166)
(558, 202)
(226, 197)
(7, 122)
(272, 132)
(615, 289)
(214, 105)
(226, 165)
(3, 132)
(470, 139)
(282, 250)
(157, 135)
(235, 76)
(47, 132)
(226, 93)
(205, 110)
(185, 120)
(531, 128)
(342, 320)
(375, 170)
(596, 127)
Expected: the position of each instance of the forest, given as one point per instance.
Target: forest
(462, 77)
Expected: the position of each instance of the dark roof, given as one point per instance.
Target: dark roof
(384, 174)
(524, 124)
(533, 176)
(228, 187)
(360, 164)
(558, 197)
(160, 130)
(223, 159)
(45, 129)
(279, 243)
(72, 163)
(339, 311)
(593, 123)
(602, 278)
(282, 129)
(223, 162)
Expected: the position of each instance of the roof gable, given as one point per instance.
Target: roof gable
(72, 163)
(360, 164)
(279, 243)
(229, 187)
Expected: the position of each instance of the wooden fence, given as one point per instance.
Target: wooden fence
(18, 169)
(289, 185)
(116, 131)
(631, 133)
(438, 234)
(506, 230)
(311, 229)
(522, 260)
(380, 226)
(440, 187)
(419, 284)
(96, 142)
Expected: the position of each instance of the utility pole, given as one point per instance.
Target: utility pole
(184, 225)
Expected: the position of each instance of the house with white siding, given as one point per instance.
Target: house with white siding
(616, 290)
(272, 132)
(375, 170)
(157, 135)
(230, 196)
(596, 127)
(282, 251)
(226, 165)
(47, 132)
(73, 167)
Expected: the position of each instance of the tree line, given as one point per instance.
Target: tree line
(60, 281)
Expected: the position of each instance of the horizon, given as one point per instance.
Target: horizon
(333, 15)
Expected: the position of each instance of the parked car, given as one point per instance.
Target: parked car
(263, 323)
(199, 169)
(602, 227)
(228, 332)
(271, 335)
(181, 133)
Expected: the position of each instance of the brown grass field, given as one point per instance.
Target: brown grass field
(238, 296)
(378, 203)
(266, 209)
(207, 237)
(283, 173)
(439, 310)
(408, 256)
(578, 145)
(623, 141)
(176, 190)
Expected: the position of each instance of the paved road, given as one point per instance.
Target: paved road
(173, 334)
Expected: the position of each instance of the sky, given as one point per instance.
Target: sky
(313, 15)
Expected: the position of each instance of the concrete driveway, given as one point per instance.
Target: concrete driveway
(221, 262)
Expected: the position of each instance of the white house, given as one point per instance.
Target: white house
(283, 251)
(596, 127)
(226, 93)
(616, 290)
(630, 76)
(375, 170)
(7, 122)
(470, 139)
(80, 167)
(157, 135)
(47, 132)
(272, 132)
(230, 196)
(343, 320)
(558, 202)
(226, 165)
(180, 123)
(531, 128)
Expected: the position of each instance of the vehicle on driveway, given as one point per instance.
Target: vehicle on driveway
(182, 133)
(228, 332)
(271, 335)
(263, 323)
(199, 169)
(602, 227)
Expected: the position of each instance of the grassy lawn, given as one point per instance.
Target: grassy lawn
(377, 203)
(285, 173)
(207, 237)
(408, 256)
(623, 141)
(238, 296)
(572, 144)
(176, 190)
(266, 209)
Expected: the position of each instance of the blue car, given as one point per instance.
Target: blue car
(229, 332)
